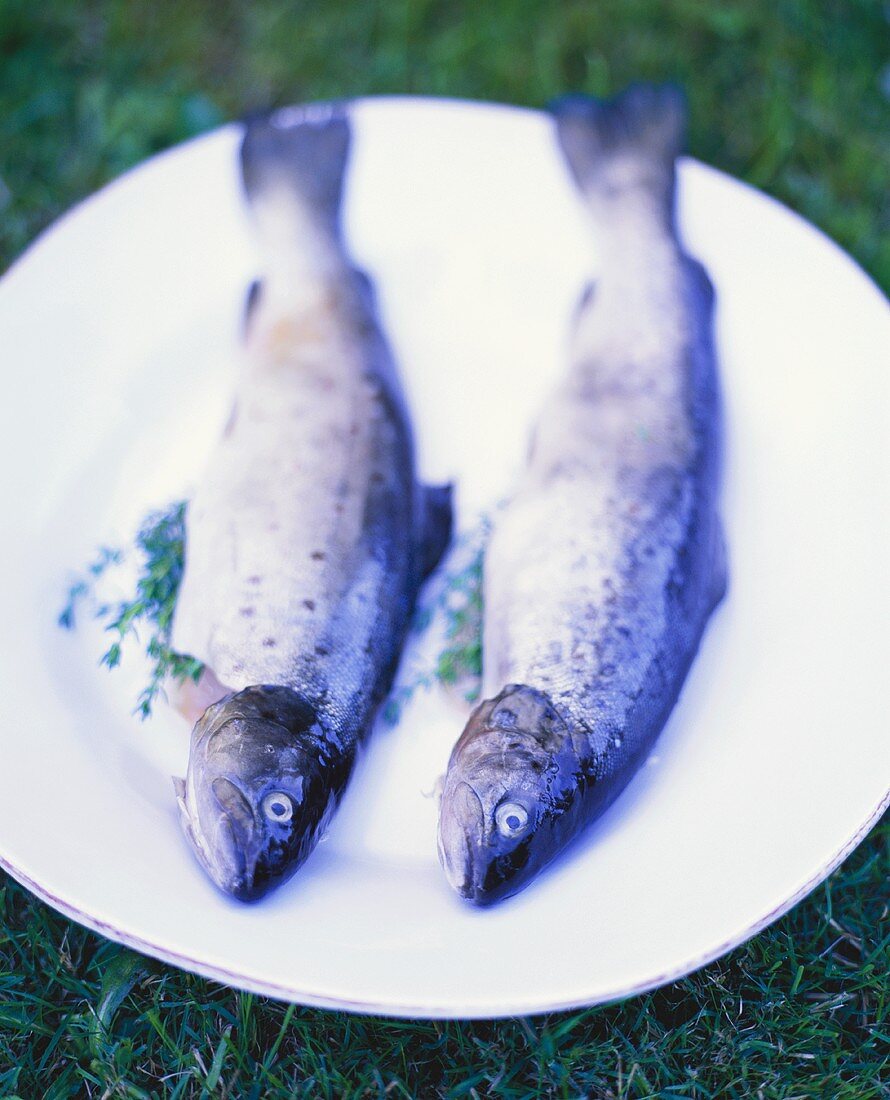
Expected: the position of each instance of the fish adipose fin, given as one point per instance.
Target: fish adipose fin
(436, 517)
(250, 304)
(629, 142)
(293, 164)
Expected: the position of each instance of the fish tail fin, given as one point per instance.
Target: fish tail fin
(623, 144)
(293, 163)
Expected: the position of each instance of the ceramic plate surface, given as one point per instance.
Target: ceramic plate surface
(119, 331)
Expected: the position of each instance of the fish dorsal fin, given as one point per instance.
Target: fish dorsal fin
(436, 520)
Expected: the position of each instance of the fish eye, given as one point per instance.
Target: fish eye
(511, 818)
(277, 806)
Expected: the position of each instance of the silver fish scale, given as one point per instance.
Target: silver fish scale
(307, 538)
(307, 516)
(602, 571)
(604, 567)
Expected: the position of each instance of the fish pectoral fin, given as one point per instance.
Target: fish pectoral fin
(250, 304)
(586, 298)
(719, 568)
(436, 519)
(178, 786)
(192, 699)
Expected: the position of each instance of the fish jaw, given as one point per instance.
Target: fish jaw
(262, 783)
(227, 865)
(511, 792)
(477, 864)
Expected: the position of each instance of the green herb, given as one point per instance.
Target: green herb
(461, 661)
(457, 607)
(106, 556)
(160, 544)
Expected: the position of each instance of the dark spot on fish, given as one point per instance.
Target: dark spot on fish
(607, 670)
(322, 650)
(254, 579)
(317, 555)
(230, 423)
(269, 642)
(309, 605)
(248, 612)
(376, 478)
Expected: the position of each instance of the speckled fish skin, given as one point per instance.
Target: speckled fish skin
(307, 538)
(605, 566)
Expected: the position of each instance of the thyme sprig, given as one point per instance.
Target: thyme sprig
(148, 613)
(456, 605)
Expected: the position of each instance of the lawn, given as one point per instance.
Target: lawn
(792, 96)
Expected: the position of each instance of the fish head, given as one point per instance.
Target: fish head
(511, 780)
(257, 794)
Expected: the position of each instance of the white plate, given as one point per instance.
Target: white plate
(118, 329)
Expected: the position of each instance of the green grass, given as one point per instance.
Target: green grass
(786, 95)
(801, 1010)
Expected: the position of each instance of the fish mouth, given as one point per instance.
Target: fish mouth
(480, 866)
(233, 872)
(231, 859)
(461, 844)
(226, 861)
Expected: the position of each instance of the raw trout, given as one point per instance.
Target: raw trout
(308, 537)
(604, 568)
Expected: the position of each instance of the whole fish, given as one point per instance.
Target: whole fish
(603, 569)
(308, 537)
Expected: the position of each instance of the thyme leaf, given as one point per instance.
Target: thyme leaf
(160, 546)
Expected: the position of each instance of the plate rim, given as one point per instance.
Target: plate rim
(290, 992)
(420, 100)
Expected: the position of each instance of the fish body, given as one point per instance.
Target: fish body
(604, 567)
(308, 536)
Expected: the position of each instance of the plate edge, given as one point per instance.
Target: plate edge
(437, 1012)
